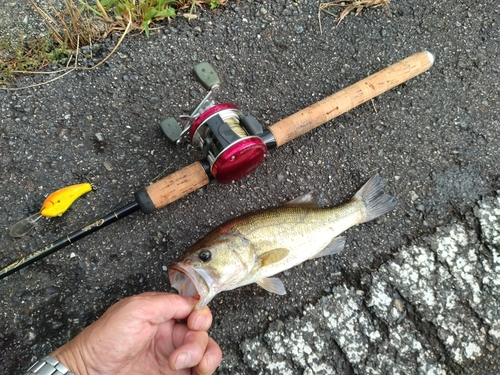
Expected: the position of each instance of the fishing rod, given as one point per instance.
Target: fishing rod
(234, 144)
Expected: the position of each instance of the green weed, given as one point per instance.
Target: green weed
(82, 23)
(29, 56)
(141, 13)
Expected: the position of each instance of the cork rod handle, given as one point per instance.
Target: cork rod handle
(172, 187)
(350, 97)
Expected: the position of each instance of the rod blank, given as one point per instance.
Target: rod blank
(69, 239)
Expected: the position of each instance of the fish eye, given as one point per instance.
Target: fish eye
(205, 255)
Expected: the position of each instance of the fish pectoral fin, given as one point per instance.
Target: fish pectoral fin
(307, 200)
(273, 285)
(273, 256)
(334, 247)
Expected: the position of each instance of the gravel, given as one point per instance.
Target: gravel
(414, 292)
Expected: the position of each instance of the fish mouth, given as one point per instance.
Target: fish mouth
(189, 283)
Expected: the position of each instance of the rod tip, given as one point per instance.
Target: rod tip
(431, 56)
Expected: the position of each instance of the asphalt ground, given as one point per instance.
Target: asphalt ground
(414, 292)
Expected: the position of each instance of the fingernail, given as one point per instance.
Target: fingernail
(182, 361)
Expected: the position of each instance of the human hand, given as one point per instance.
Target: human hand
(142, 335)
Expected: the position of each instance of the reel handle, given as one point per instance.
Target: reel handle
(206, 75)
(350, 97)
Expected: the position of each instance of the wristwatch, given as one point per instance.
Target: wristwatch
(48, 366)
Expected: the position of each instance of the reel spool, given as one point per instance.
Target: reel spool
(233, 144)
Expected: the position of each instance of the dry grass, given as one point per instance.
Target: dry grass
(72, 27)
(349, 6)
(80, 23)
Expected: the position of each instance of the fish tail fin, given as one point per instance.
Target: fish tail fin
(375, 201)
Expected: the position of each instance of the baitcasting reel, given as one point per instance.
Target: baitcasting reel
(234, 144)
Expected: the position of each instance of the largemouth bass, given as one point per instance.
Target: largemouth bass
(255, 246)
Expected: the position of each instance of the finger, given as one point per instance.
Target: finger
(157, 307)
(179, 333)
(200, 320)
(211, 359)
(190, 353)
(170, 335)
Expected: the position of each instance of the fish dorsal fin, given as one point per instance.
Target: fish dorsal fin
(273, 256)
(333, 247)
(273, 285)
(307, 200)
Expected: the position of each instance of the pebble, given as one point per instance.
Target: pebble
(108, 165)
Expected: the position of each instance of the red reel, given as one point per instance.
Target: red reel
(229, 140)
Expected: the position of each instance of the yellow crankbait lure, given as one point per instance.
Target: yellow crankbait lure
(59, 201)
(54, 205)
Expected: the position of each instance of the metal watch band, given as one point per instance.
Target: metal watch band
(48, 366)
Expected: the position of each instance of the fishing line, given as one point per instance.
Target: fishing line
(233, 120)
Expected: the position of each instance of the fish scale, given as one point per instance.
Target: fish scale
(303, 231)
